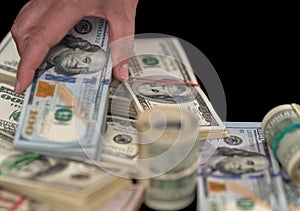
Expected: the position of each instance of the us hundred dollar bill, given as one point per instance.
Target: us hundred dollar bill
(11, 105)
(120, 143)
(120, 102)
(160, 75)
(241, 173)
(9, 60)
(292, 192)
(281, 127)
(65, 106)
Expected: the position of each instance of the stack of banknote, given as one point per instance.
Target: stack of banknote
(64, 110)
(161, 75)
(240, 172)
(120, 144)
(9, 60)
(77, 184)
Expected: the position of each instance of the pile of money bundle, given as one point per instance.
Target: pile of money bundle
(64, 110)
(281, 128)
(240, 172)
(160, 74)
(130, 199)
(67, 183)
(9, 60)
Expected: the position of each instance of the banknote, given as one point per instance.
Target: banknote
(120, 143)
(9, 60)
(241, 174)
(160, 74)
(292, 192)
(11, 105)
(281, 129)
(130, 199)
(120, 102)
(65, 106)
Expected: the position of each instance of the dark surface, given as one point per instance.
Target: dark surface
(253, 47)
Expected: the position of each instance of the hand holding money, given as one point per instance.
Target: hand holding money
(281, 127)
(66, 103)
(36, 30)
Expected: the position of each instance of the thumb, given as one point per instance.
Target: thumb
(121, 45)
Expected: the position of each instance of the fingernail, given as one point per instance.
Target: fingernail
(123, 72)
(17, 87)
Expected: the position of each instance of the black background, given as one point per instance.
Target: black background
(254, 47)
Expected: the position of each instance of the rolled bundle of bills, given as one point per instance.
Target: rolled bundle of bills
(169, 150)
(281, 127)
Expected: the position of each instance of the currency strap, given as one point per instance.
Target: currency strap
(280, 136)
(162, 81)
(20, 161)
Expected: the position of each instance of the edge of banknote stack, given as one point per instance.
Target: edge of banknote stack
(9, 60)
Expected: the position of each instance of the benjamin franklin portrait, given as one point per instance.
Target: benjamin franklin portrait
(74, 56)
(164, 89)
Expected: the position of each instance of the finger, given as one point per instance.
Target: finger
(121, 52)
(28, 17)
(121, 45)
(27, 66)
(42, 37)
(122, 24)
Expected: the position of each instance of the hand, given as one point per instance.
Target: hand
(41, 24)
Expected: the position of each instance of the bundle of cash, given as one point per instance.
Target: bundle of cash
(120, 138)
(169, 152)
(120, 102)
(240, 172)
(120, 141)
(65, 107)
(9, 60)
(64, 183)
(16, 202)
(281, 127)
(51, 183)
(160, 74)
